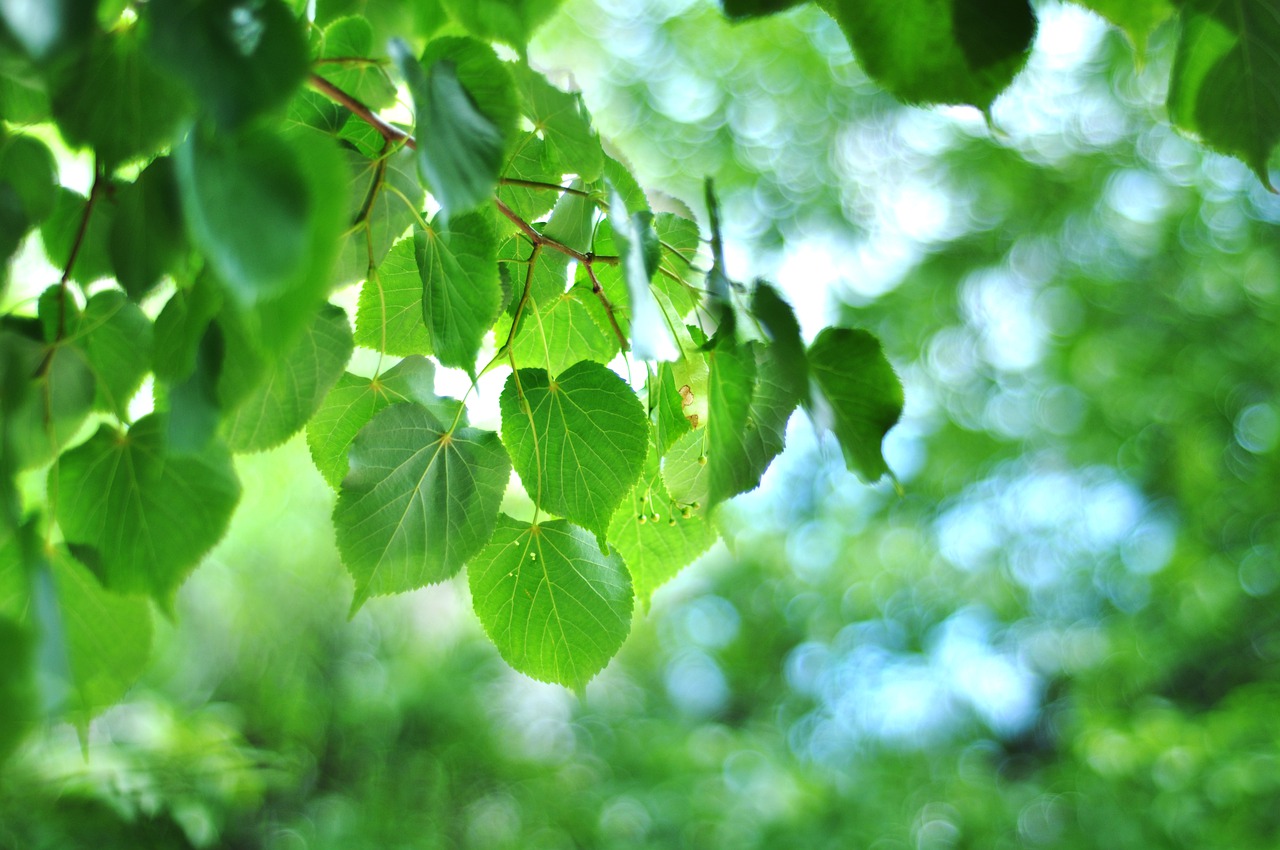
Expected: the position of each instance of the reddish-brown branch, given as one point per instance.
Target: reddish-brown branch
(388, 131)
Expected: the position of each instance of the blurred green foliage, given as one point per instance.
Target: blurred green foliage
(1063, 633)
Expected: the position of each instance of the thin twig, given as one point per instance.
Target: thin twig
(538, 184)
(389, 132)
(608, 307)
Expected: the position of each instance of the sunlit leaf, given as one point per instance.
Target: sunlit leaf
(461, 296)
(860, 396)
(389, 313)
(554, 605)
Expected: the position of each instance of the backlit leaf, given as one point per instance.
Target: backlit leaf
(860, 397)
(554, 605)
(389, 313)
(461, 295)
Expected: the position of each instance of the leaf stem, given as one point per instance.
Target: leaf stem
(76, 244)
(538, 184)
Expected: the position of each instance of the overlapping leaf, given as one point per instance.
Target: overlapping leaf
(555, 606)
(389, 313)
(139, 515)
(420, 500)
(860, 396)
(578, 442)
(461, 295)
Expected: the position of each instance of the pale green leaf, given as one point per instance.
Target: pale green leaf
(139, 515)
(419, 501)
(554, 605)
(116, 338)
(562, 121)
(384, 200)
(578, 442)
(561, 332)
(859, 396)
(651, 337)
(389, 312)
(686, 473)
(530, 161)
(293, 386)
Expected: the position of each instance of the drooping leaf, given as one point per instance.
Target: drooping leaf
(562, 121)
(294, 385)
(240, 59)
(578, 442)
(731, 386)
(1224, 84)
(139, 515)
(419, 500)
(461, 295)
(667, 408)
(554, 605)
(117, 101)
(107, 638)
(655, 534)
(262, 209)
(389, 313)
(938, 51)
(116, 338)
(60, 229)
(460, 144)
(786, 346)
(354, 400)
(859, 396)
(147, 238)
(638, 246)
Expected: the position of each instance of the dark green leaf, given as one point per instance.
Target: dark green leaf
(938, 51)
(461, 295)
(554, 605)
(420, 500)
(117, 102)
(147, 239)
(17, 689)
(731, 386)
(578, 442)
(1225, 86)
(756, 8)
(294, 385)
(27, 166)
(60, 230)
(240, 59)
(142, 515)
(860, 397)
(786, 347)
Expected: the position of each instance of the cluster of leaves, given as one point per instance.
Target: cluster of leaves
(1222, 90)
(243, 175)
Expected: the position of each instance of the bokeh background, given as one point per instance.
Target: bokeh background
(1063, 631)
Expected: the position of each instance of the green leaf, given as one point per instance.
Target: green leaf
(28, 168)
(638, 244)
(731, 386)
(681, 278)
(116, 101)
(530, 160)
(739, 9)
(262, 209)
(419, 501)
(389, 312)
(938, 51)
(56, 403)
(578, 442)
(59, 232)
(385, 197)
(554, 605)
(667, 406)
(48, 28)
(240, 59)
(17, 689)
(352, 38)
(859, 396)
(562, 121)
(107, 638)
(562, 332)
(140, 515)
(354, 400)
(461, 295)
(116, 338)
(181, 326)
(1224, 85)
(460, 146)
(786, 347)
(654, 536)
(509, 21)
(294, 385)
(686, 474)
(1137, 18)
(147, 240)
